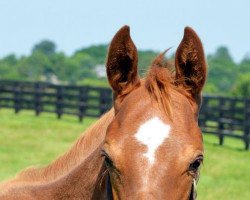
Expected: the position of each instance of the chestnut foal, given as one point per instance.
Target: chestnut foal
(148, 146)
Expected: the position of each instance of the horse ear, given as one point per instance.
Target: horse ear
(191, 70)
(122, 63)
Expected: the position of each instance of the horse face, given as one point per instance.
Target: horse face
(153, 147)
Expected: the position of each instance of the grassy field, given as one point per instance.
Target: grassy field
(28, 140)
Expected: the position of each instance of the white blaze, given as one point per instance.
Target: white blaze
(152, 134)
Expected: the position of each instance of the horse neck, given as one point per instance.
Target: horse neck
(85, 181)
(89, 141)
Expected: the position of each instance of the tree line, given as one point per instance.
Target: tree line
(86, 66)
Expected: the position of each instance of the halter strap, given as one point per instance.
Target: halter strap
(109, 189)
(194, 188)
(193, 193)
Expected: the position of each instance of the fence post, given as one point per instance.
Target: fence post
(247, 124)
(220, 121)
(104, 100)
(83, 98)
(202, 113)
(232, 113)
(59, 101)
(17, 97)
(1, 90)
(37, 98)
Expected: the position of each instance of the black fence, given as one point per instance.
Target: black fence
(226, 117)
(59, 99)
(222, 116)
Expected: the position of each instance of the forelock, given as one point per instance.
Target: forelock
(159, 81)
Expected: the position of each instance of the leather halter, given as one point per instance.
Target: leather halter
(193, 193)
(109, 188)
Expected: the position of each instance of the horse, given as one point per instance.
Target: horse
(147, 146)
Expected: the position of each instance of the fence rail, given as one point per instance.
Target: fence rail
(221, 116)
(226, 117)
(43, 97)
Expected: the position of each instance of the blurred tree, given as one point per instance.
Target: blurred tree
(145, 60)
(242, 86)
(8, 68)
(86, 64)
(10, 59)
(244, 66)
(222, 71)
(33, 67)
(225, 76)
(96, 52)
(222, 53)
(46, 47)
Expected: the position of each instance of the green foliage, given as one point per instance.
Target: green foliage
(33, 66)
(242, 86)
(46, 64)
(221, 71)
(45, 47)
(145, 59)
(244, 66)
(8, 67)
(225, 77)
(222, 53)
(96, 53)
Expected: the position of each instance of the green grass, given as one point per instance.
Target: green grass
(226, 170)
(28, 140)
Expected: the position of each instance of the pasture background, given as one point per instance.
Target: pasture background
(28, 140)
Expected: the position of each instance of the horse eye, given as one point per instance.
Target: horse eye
(108, 161)
(194, 166)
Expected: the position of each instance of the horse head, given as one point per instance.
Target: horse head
(153, 147)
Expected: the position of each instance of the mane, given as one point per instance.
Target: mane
(81, 149)
(160, 79)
